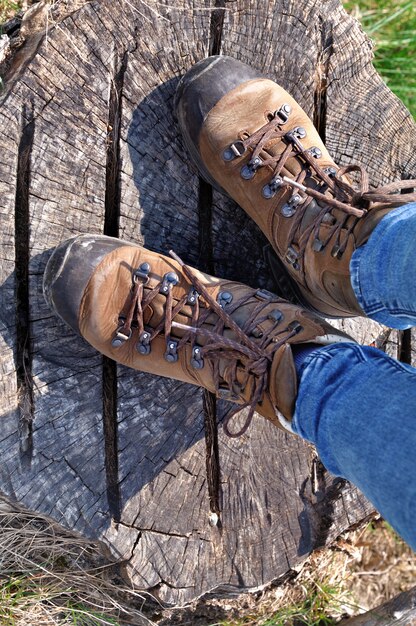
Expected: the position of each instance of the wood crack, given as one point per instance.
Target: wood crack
(112, 182)
(322, 68)
(405, 336)
(206, 263)
(111, 228)
(156, 532)
(212, 452)
(405, 346)
(216, 27)
(23, 330)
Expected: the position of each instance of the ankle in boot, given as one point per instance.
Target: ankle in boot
(251, 139)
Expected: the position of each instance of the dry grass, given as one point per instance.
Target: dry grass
(383, 566)
(363, 569)
(51, 576)
(7, 10)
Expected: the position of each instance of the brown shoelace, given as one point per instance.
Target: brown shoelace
(351, 201)
(254, 357)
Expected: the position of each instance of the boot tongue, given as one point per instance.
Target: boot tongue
(283, 387)
(311, 213)
(155, 313)
(368, 224)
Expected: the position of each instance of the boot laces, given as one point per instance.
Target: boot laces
(254, 357)
(353, 201)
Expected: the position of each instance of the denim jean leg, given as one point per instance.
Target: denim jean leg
(358, 406)
(383, 271)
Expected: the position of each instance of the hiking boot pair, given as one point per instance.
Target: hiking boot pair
(153, 313)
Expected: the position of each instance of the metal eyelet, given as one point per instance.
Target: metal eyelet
(317, 245)
(169, 280)
(271, 188)
(234, 151)
(224, 298)
(276, 315)
(142, 273)
(336, 251)
(289, 209)
(120, 339)
(143, 346)
(257, 333)
(171, 354)
(193, 296)
(315, 152)
(296, 133)
(292, 258)
(249, 169)
(283, 112)
(196, 360)
(299, 132)
(330, 171)
(264, 294)
(295, 327)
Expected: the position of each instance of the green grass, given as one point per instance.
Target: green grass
(392, 26)
(25, 597)
(323, 603)
(8, 8)
(50, 576)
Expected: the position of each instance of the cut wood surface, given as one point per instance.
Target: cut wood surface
(90, 144)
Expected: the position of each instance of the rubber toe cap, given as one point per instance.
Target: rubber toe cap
(204, 85)
(69, 270)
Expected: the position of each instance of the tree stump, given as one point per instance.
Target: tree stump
(400, 611)
(90, 144)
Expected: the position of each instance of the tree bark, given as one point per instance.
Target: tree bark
(399, 611)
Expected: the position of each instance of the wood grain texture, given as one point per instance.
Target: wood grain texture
(400, 611)
(118, 64)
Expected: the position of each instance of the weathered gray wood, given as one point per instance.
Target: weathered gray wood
(399, 611)
(116, 65)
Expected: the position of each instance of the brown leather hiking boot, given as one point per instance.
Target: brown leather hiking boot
(249, 137)
(155, 314)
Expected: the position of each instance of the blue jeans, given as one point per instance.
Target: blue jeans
(355, 403)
